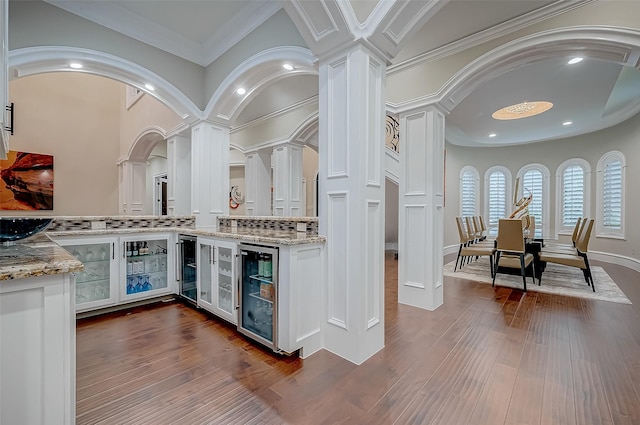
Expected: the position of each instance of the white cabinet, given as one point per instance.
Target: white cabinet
(4, 77)
(97, 284)
(148, 266)
(37, 359)
(217, 282)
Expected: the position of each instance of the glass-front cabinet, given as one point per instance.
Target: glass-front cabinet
(217, 290)
(97, 284)
(148, 267)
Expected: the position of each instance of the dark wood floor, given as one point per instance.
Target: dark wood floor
(487, 356)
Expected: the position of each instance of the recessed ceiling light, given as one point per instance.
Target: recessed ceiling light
(149, 87)
(493, 135)
(567, 123)
(75, 65)
(575, 60)
(288, 66)
(522, 110)
(241, 91)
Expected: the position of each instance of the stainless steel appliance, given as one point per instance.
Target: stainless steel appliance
(258, 294)
(188, 268)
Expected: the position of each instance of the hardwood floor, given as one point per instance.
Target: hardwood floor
(487, 356)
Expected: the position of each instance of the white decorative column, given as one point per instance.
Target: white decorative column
(257, 181)
(420, 219)
(133, 187)
(351, 186)
(209, 173)
(178, 175)
(287, 180)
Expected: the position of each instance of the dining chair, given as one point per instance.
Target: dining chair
(579, 259)
(510, 250)
(467, 251)
(478, 228)
(568, 248)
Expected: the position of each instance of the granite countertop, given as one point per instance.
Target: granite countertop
(274, 237)
(35, 256)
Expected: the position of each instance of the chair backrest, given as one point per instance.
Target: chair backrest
(462, 233)
(482, 225)
(476, 226)
(583, 241)
(510, 236)
(470, 231)
(532, 226)
(577, 230)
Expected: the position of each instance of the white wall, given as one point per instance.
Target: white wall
(75, 118)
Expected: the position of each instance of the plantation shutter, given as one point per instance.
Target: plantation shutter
(533, 181)
(497, 200)
(612, 195)
(572, 195)
(468, 193)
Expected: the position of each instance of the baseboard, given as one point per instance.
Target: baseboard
(620, 260)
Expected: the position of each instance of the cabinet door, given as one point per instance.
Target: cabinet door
(148, 267)
(96, 285)
(205, 276)
(225, 280)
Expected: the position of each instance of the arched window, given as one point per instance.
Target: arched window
(497, 191)
(573, 185)
(469, 191)
(610, 204)
(534, 180)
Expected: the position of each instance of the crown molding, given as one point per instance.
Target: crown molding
(492, 33)
(275, 114)
(120, 19)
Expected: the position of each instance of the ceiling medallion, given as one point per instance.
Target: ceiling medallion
(522, 110)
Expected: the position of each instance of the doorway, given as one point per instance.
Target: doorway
(160, 194)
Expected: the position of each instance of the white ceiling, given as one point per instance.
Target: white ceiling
(588, 93)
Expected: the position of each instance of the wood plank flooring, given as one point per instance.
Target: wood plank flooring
(487, 356)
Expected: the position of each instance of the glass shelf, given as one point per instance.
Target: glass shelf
(261, 278)
(256, 295)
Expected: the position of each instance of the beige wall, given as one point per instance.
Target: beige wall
(624, 137)
(75, 118)
(147, 112)
(309, 172)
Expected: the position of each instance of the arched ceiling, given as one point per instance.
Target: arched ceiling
(590, 94)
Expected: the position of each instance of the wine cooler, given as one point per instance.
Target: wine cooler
(258, 297)
(188, 268)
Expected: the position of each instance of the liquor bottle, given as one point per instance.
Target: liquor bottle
(128, 249)
(260, 265)
(268, 267)
(144, 250)
(134, 251)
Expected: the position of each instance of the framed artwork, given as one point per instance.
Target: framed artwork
(392, 130)
(27, 181)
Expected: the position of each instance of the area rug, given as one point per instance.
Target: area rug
(556, 279)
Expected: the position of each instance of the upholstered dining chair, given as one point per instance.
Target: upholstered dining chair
(578, 259)
(480, 235)
(468, 250)
(568, 248)
(510, 249)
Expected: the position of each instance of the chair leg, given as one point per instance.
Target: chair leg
(523, 272)
(457, 258)
(495, 268)
(588, 272)
(491, 265)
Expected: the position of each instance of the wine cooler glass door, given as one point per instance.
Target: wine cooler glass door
(258, 294)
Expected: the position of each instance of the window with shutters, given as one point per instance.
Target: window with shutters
(469, 191)
(610, 204)
(497, 197)
(534, 180)
(573, 197)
